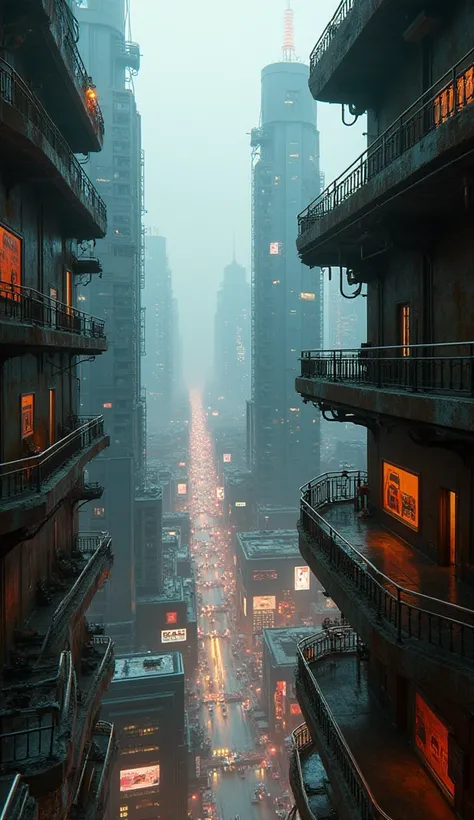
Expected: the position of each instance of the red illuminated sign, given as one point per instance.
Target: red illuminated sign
(171, 617)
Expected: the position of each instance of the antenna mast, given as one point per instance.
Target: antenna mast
(288, 50)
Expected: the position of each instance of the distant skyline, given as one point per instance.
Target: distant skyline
(198, 93)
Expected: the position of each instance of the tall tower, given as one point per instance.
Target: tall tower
(114, 385)
(232, 340)
(287, 298)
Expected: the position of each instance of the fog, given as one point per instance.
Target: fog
(199, 95)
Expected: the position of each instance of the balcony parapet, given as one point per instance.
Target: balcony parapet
(316, 648)
(32, 133)
(92, 792)
(327, 37)
(15, 802)
(413, 382)
(23, 308)
(301, 741)
(29, 475)
(359, 188)
(408, 614)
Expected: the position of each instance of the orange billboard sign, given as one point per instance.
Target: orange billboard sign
(431, 738)
(10, 262)
(400, 494)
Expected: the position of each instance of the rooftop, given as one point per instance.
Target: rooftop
(282, 642)
(146, 665)
(172, 590)
(269, 544)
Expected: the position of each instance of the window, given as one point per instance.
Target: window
(98, 512)
(10, 263)
(404, 328)
(448, 527)
(27, 414)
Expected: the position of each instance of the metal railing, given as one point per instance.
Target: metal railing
(329, 33)
(65, 30)
(15, 801)
(449, 95)
(93, 690)
(301, 739)
(309, 651)
(33, 731)
(102, 727)
(411, 614)
(98, 787)
(16, 93)
(24, 304)
(100, 560)
(27, 475)
(441, 368)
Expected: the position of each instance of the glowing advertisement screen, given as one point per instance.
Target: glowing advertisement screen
(173, 635)
(400, 494)
(240, 503)
(182, 489)
(264, 603)
(220, 493)
(10, 264)
(301, 578)
(142, 778)
(431, 738)
(227, 458)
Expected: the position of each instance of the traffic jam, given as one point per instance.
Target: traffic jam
(245, 774)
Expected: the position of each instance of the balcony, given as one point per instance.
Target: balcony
(308, 778)
(421, 383)
(31, 487)
(30, 320)
(373, 771)
(34, 149)
(88, 491)
(15, 802)
(386, 588)
(391, 192)
(53, 59)
(92, 793)
(362, 45)
(86, 265)
(46, 722)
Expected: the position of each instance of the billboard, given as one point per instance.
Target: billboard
(173, 635)
(400, 494)
(274, 249)
(182, 489)
(171, 617)
(10, 264)
(220, 493)
(27, 414)
(142, 778)
(431, 738)
(227, 458)
(301, 578)
(264, 603)
(240, 503)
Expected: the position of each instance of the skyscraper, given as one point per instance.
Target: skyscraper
(287, 298)
(232, 340)
(114, 384)
(161, 332)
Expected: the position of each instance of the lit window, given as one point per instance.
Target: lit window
(27, 415)
(308, 297)
(98, 512)
(108, 405)
(294, 156)
(276, 282)
(81, 298)
(274, 249)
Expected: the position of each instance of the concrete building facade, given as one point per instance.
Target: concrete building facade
(232, 349)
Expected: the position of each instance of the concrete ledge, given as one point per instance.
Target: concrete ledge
(24, 335)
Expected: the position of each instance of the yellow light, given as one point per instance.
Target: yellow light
(91, 93)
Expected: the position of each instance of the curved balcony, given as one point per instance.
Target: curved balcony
(52, 57)
(30, 486)
(92, 792)
(308, 778)
(374, 774)
(353, 575)
(34, 148)
(415, 382)
(414, 153)
(30, 320)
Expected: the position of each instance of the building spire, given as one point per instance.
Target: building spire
(289, 53)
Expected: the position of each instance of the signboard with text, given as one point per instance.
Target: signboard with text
(173, 635)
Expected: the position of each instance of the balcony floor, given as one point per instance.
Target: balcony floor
(405, 565)
(315, 779)
(397, 778)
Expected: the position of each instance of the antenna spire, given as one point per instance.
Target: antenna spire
(289, 53)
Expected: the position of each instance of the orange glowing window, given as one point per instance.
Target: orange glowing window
(27, 415)
(404, 328)
(400, 494)
(108, 405)
(431, 738)
(52, 415)
(10, 265)
(295, 709)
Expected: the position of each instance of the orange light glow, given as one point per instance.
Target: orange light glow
(431, 737)
(91, 93)
(400, 494)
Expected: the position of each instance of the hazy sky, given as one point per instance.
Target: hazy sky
(199, 95)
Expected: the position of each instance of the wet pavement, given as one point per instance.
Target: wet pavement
(401, 786)
(233, 790)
